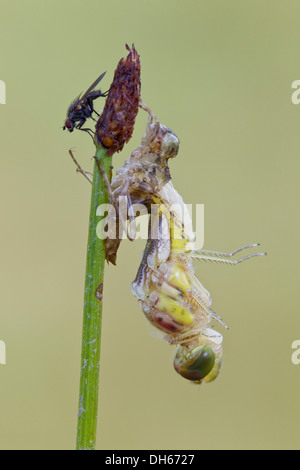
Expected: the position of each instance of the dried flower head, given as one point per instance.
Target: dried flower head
(115, 125)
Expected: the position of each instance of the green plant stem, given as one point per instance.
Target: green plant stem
(92, 315)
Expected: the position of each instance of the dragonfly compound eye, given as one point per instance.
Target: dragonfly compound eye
(195, 364)
(170, 144)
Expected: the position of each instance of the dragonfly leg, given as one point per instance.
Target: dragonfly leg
(112, 198)
(223, 254)
(199, 256)
(131, 236)
(86, 174)
(181, 339)
(105, 179)
(222, 257)
(218, 318)
(146, 108)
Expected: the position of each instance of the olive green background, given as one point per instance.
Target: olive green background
(219, 74)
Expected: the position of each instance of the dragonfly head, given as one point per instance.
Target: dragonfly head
(197, 364)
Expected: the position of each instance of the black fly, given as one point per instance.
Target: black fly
(82, 108)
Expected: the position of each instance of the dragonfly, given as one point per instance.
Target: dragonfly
(174, 300)
(170, 295)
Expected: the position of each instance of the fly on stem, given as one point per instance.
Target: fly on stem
(113, 129)
(82, 108)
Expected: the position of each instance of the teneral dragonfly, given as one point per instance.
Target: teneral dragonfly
(172, 297)
(169, 293)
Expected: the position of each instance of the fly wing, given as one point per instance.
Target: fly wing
(93, 86)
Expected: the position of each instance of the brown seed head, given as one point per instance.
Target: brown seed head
(115, 125)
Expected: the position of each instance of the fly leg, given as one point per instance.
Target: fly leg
(91, 104)
(85, 129)
(92, 109)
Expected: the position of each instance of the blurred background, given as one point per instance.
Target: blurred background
(219, 74)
